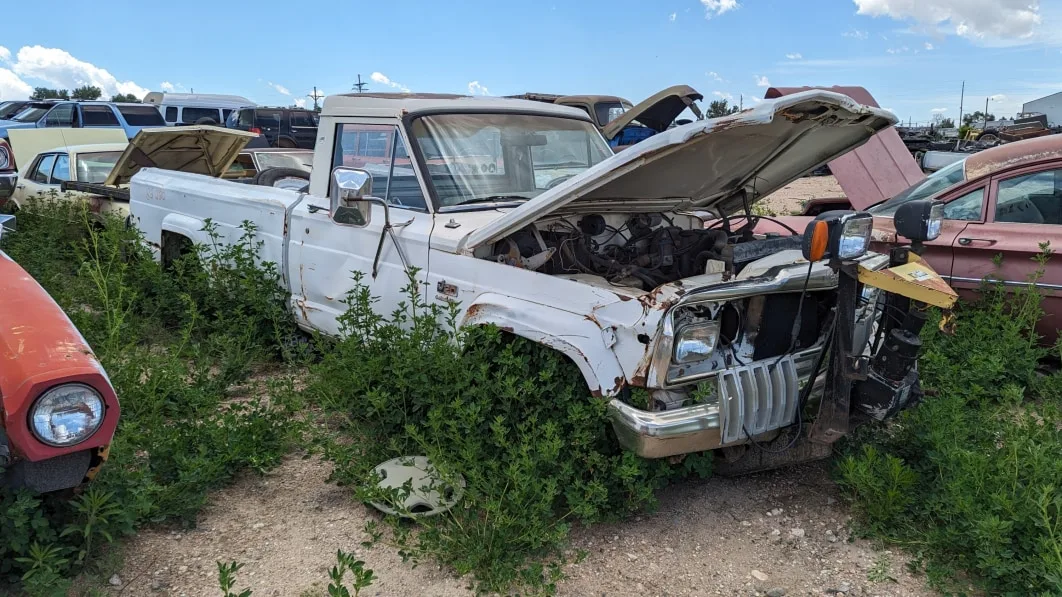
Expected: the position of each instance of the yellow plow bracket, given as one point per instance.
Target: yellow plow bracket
(914, 280)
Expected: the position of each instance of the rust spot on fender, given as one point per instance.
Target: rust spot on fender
(596, 393)
(623, 297)
(506, 328)
(591, 317)
(474, 310)
(638, 381)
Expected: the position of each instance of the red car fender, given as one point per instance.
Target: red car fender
(39, 349)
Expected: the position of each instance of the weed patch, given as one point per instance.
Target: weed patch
(173, 344)
(970, 478)
(512, 418)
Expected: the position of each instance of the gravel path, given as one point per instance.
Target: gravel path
(790, 198)
(765, 534)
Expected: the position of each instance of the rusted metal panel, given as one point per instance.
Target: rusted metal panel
(1012, 155)
(875, 171)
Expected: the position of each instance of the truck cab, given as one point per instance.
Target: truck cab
(521, 215)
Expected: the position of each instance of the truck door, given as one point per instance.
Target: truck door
(324, 253)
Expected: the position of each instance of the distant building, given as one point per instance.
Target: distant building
(1050, 105)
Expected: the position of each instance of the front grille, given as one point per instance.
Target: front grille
(758, 398)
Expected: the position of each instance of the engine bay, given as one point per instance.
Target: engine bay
(641, 250)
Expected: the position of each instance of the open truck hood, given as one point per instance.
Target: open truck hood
(657, 111)
(710, 164)
(199, 149)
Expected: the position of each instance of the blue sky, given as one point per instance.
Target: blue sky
(913, 55)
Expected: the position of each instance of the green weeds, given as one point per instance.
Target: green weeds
(969, 480)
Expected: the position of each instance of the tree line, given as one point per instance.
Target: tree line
(85, 93)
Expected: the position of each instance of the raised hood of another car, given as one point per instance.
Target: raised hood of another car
(657, 111)
(199, 149)
(711, 164)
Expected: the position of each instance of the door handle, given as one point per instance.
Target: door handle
(965, 241)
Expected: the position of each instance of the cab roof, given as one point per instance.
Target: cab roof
(397, 105)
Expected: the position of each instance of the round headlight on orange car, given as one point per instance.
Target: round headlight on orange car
(66, 415)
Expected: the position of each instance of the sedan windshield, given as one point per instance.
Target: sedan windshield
(9, 109)
(95, 167)
(488, 158)
(32, 113)
(944, 178)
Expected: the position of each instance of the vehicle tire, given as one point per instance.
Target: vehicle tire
(286, 143)
(270, 177)
(207, 120)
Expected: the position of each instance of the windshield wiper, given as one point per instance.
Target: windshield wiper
(493, 198)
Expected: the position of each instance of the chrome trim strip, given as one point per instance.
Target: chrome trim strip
(1011, 283)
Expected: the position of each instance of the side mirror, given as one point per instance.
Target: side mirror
(7, 224)
(348, 191)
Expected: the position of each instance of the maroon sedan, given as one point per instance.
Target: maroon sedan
(1002, 201)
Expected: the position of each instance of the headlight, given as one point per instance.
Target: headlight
(66, 415)
(855, 235)
(919, 220)
(696, 342)
(5, 157)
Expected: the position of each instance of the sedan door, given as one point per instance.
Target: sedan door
(35, 182)
(1024, 219)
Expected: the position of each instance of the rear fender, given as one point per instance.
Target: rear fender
(577, 337)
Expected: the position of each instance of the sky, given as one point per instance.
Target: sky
(912, 55)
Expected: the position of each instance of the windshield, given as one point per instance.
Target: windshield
(504, 157)
(9, 109)
(301, 160)
(32, 113)
(944, 178)
(95, 167)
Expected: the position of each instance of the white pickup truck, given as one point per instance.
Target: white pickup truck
(519, 212)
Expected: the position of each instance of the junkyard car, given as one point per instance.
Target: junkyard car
(1003, 201)
(273, 167)
(621, 123)
(99, 174)
(592, 254)
(58, 411)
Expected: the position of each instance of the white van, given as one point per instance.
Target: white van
(180, 109)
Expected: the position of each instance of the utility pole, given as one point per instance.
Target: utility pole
(360, 85)
(741, 101)
(986, 113)
(962, 96)
(315, 96)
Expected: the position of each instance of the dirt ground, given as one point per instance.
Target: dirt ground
(782, 533)
(790, 198)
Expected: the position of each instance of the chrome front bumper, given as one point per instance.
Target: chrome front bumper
(750, 401)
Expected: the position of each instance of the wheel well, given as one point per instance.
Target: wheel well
(173, 246)
(581, 369)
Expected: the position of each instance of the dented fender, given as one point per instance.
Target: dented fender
(578, 337)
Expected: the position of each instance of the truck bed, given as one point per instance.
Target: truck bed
(165, 202)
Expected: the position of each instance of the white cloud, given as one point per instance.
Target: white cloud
(718, 7)
(385, 80)
(279, 88)
(855, 33)
(899, 50)
(715, 76)
(999, 97)
(474, 88)
(12, 87)
(724, 95)
(671, 17)
(928, 46)
(794, 56)
(166, 86)
(973, 19)
(761, 81)
(939, 110)
(301, 102)
(5, 54)
(59, 69)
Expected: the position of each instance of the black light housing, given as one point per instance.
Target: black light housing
(919, 220)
